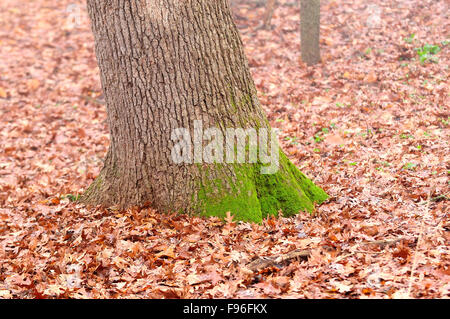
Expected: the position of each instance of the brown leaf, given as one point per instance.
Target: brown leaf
(334, 139)
(168, 253)
(33, 84)
(370, 230)
(402, 252)
(3, 93)
(371, 77)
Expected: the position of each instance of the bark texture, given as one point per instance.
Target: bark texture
(310, 31)
(164, 64)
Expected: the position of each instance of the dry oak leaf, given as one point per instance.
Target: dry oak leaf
(213, 277)
(334, 139)
(367, 291)
(346, 75)
(33, 84)
(371, 77)
(370, 230)
(19, 280)
(168, 252)
(5, 294)
(3, 93)
(403, 253)
(341, 287)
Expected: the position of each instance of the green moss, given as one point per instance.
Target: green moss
(254, 196)
(92, 190)
(288, 190)
(233, 102)
(240, 101)
(213, 199)
(241, 188)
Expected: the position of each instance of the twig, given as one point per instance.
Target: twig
(414, 265)
(439, 197)
(271, 261)
(383, 242)
(367, 252)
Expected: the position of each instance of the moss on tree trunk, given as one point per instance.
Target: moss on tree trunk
(165, 64)
(255, 196)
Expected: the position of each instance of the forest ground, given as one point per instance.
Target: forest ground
(369, 125)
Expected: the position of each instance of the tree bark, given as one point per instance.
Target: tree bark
(310, 31)
(163, 65)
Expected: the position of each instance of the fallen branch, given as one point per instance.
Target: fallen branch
(419, 239)
(276, 261)
(261, 263)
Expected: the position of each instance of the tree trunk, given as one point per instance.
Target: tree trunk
(270, 8)
(169, 64)
(310, 31)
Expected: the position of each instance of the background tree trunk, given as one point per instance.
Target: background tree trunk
(164, 64)
(310, 31)
(270, 8)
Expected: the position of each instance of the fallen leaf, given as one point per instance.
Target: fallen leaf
(169, 253)
(334, 139)
(3, 93)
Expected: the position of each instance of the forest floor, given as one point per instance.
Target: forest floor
(370, 125)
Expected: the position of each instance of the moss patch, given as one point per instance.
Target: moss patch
(253, 196)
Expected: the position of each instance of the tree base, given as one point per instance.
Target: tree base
(240, 189)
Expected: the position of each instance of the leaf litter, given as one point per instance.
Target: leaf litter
(369, 124)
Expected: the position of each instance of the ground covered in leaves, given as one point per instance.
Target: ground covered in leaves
(369, 124)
